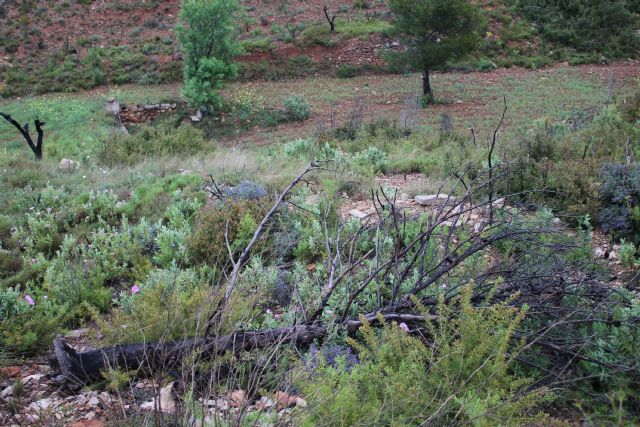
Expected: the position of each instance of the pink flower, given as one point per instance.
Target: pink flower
(29, 300)
(404, 327)
(135, 289)
(277, 316)
(268, 311)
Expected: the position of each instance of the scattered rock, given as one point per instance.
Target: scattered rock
(358, 214)
(10, 371)
(498, 202)
(6, 392)
(31, 418)
(67, 165)
(219, 404)
(613, 255)
(94, 401)
(265, 403)
(285, 399)
(88, 423)
(238, 396)
(405, 197)
(436, 200)
(166, 403)
(197, 117)
(41, 404)
(33, 379)
(598, 253)
(77, 333)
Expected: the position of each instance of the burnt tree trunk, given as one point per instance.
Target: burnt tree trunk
(426, 82)
(331, 20)
(24, 131)
(88, 366)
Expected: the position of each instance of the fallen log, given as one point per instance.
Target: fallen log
(85, 367)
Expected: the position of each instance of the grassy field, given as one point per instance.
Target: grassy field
(75, 122)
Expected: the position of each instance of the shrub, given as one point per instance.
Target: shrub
(347, 71)
(26, 328)
(620, 197)
(297, 107)
(372, 159)
(150, 141)
(607, 27)
(463, 376)
(236, 220)
(167, 304)
(627, 254)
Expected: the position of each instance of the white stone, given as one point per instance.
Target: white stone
(598, 253)
(33, 378)
(435, 200)
(77, 333)
(94, 401)
(6, 392)
(265, 402)
(613, 255)
(42, 404)
(358, 214)
(404, 197)
(166, 403)
(67, 165)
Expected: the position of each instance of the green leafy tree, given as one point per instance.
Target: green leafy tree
(436, 31)
(206, 32)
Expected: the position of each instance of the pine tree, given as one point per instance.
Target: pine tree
(436, 31)
(206, 33)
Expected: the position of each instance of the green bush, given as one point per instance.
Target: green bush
(236, 220)
(347, 71)
(606, 27)
(297, 107)
(372, 159)
(167, 304)
(150, 141)
(627, 254)
(464, 375)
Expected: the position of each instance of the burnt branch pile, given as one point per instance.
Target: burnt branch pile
(468, 236)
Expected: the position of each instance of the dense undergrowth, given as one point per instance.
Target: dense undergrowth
(138, 239)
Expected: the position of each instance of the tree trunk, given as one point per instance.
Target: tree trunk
(88, 366)
(24, 131)
(426, 83)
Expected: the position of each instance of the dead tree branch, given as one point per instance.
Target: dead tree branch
(24, 131)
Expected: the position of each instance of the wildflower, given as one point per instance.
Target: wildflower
(135, 289)
(268, 311)
(277, 316)
(29, 300)
(404, 327)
